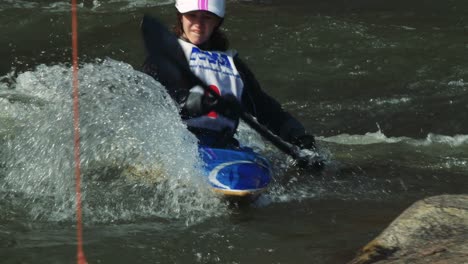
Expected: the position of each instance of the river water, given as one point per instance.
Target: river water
(382, 84)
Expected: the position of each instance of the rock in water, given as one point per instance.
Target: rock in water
(433, 230)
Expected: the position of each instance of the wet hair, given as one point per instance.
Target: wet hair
(217, 41)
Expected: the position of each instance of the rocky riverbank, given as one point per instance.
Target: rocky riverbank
(433, 230)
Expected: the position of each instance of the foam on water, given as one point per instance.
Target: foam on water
(6, 4)
(137, 158)
(89, 5)
(379, 137)
(435, 152)
(133, 4)
(452, 141)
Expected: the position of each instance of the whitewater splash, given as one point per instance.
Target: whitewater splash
(138, 159)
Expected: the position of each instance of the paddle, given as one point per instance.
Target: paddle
(165, 52)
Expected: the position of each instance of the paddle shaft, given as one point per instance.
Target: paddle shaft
(282, 145)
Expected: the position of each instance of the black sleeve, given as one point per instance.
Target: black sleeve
(178, 87)
(266, 109)
(169, 77)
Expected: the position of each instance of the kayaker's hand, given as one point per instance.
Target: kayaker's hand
(309, 156)
(305, 142)
(199, 103)
(196, 104)
(228, 106)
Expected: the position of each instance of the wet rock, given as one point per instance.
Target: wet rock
(433, 230)
(109, 171)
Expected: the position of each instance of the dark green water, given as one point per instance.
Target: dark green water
(383, 85)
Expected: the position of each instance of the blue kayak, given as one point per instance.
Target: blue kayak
(235, 172)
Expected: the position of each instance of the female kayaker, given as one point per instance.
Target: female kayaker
(215, 122)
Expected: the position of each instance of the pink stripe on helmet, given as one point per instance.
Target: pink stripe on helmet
(203, 5)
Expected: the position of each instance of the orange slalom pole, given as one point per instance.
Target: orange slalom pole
(81, 259)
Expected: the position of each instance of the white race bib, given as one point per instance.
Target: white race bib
(218, 71)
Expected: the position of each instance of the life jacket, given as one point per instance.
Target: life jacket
(218, 71)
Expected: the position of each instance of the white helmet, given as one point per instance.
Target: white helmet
(216, 7)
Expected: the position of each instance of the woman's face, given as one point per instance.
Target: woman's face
(199, 25)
